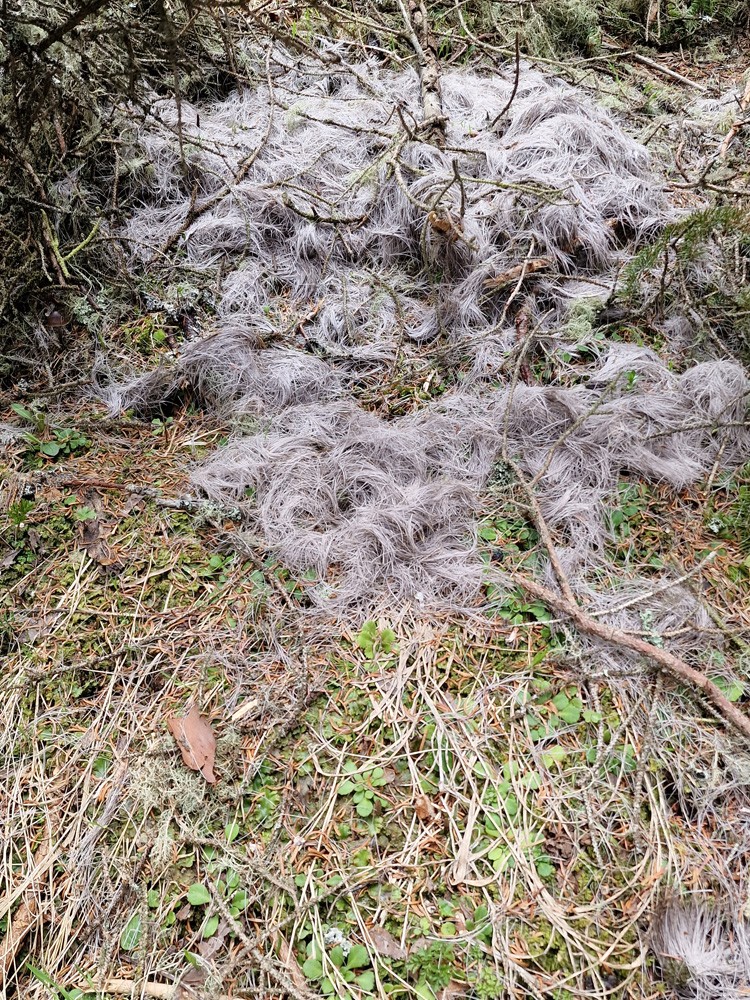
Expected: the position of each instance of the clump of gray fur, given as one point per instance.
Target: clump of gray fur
(704, 951)
(348, 243)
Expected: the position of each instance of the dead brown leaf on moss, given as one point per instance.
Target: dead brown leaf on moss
(453, 990)
(196, 741)
(386, 944)
(94, 542)
(424, 809)
(291, 965)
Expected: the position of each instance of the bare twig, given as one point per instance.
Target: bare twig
(131, 988)
(514, 91)
(639, 598)
(652, 64)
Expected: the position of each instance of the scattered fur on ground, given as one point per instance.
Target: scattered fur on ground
(705, 950)
(349, 246)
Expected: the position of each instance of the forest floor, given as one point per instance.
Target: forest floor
(439, 810)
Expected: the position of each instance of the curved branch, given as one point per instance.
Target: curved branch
(668, 662)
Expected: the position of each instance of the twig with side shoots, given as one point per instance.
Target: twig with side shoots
(191, 505)
(568, 606)
(252, 950)
(196, 211)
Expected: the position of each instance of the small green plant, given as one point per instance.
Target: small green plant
(549, 713)
(488, 985)
(362, 787)
(432, 967)
(147, 334)
(58, 991)
(625, 514)
(227, 887)
(515, 608)
(217, 567)
(513, 534)
(531, 845)
(44, 442)
(160, 427)
(374, 640)
(19, 511)
(80, 512)
(132, 932)
(350, 961)
(84, 513)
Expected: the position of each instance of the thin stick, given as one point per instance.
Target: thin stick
(639, 598)
(513, 92)
(652, 64)
(129, 988)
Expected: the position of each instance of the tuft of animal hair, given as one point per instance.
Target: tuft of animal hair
(703, 950)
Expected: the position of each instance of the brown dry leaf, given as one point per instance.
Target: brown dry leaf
(520, 270)
(23, 920)
(9, 558)
(424, 809)
(453, 990)
(213, 945)
(196, 741)
(207, 950)
(386, 944)
(443, 223)
(94, 541)
(134, 502)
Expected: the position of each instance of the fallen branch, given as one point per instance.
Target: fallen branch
(667, 661)
(653, 64)
(420, 36)
(191, 505)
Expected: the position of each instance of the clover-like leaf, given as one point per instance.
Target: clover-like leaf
(198, 895)
(358, 958)
(313, 969)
